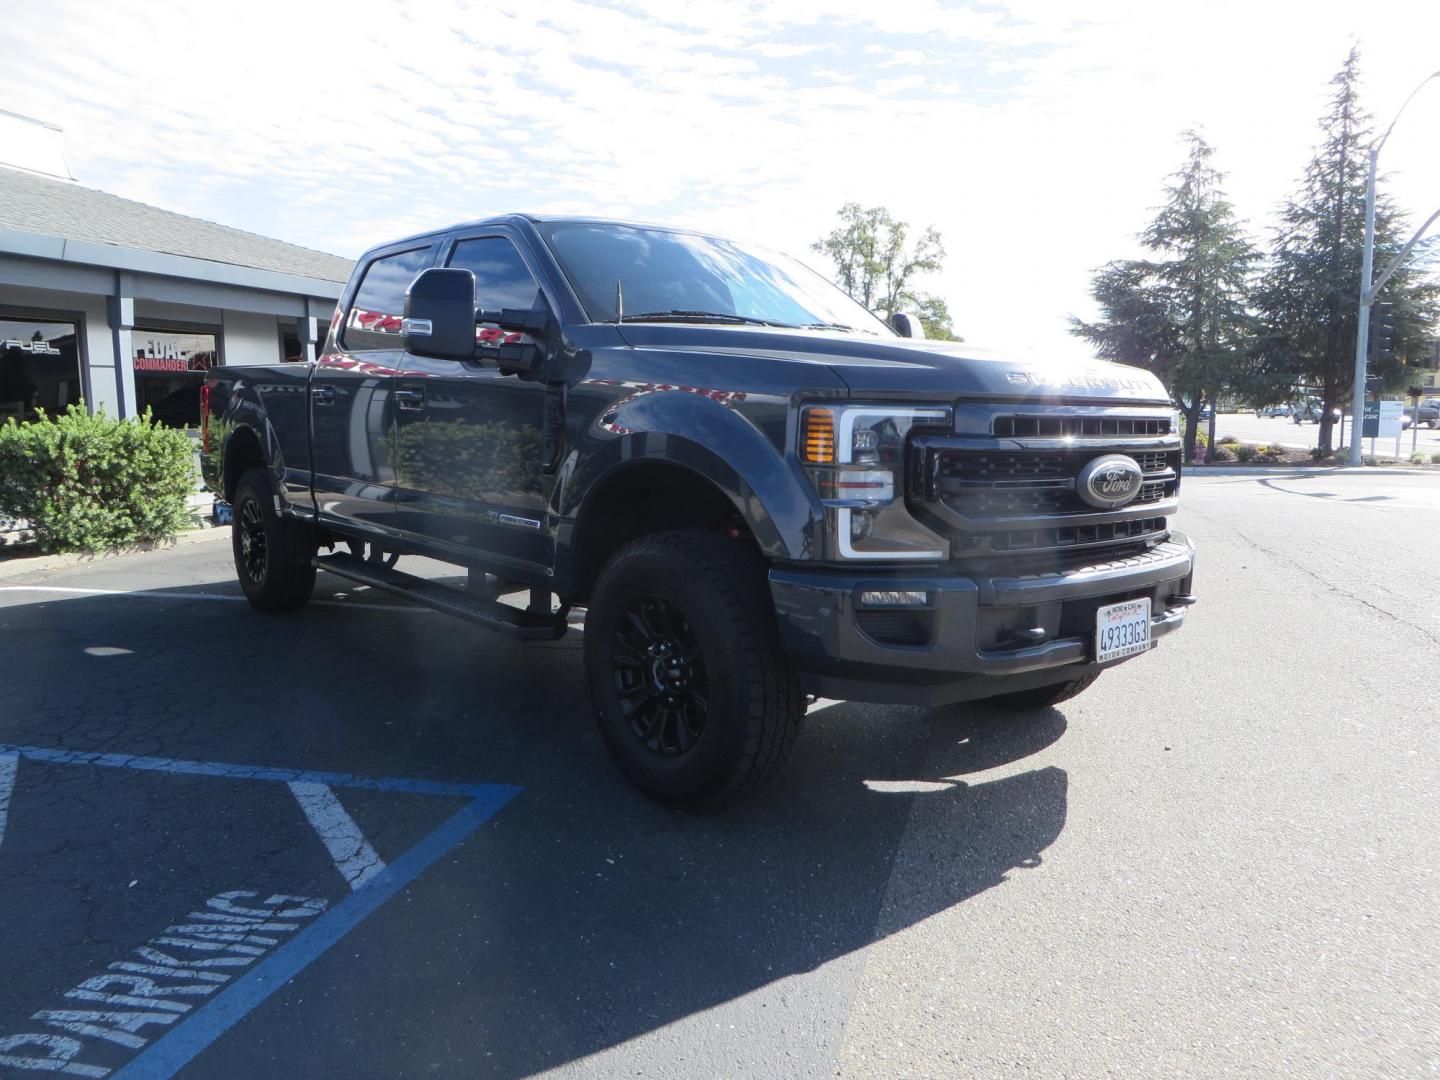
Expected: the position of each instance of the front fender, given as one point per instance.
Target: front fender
(710, 436)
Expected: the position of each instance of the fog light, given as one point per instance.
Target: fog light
(861, 523)
(893, 598)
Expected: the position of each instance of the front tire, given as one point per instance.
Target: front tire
(272, 554)
(1043, 697)
(696, 700)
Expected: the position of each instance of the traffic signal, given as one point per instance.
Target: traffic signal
(1382, 331)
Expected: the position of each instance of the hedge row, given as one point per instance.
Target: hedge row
(85, 483)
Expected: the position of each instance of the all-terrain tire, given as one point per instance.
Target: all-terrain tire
(693, 608)
(272, 554)
(1042, 697)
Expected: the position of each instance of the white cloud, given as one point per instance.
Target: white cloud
(1035, 133)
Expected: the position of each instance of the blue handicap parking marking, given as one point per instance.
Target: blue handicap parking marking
(160, 1002)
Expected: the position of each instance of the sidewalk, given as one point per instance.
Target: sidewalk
(14, 562)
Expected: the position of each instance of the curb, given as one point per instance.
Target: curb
(14, 567)
(1305, 470)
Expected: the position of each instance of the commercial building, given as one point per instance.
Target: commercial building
(123, 305)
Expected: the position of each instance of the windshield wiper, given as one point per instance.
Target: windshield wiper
(830, 326)
(700, 316)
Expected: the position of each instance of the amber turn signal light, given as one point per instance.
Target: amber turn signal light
(817, 437)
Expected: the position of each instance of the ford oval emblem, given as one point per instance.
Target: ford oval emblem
(1110, 482)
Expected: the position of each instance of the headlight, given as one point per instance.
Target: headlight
(855, 457)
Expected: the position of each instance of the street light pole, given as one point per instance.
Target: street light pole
(1367, 293)
(1362, 322)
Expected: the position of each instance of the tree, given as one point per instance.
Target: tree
(1311, 288)
(873, 265)
(935, 317)
(1184, 314)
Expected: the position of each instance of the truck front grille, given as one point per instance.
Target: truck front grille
(1079, 536)
(1007, 484)
(1078, 427)
(988, 485)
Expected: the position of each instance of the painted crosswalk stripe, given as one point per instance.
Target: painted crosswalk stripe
(8, 765)
(354, 857)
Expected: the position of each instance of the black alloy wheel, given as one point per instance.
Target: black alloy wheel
(660, 677)
(696, 699)
(273, 554)
(250, 529)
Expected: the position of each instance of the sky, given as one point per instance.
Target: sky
(1035, 135)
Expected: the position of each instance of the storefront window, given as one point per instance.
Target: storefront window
(169, 368)
(39, 368)
(290, 351)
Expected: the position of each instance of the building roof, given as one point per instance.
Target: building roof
(38, 204)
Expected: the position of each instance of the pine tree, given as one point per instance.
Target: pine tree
(1182, 314)
(1310, 294)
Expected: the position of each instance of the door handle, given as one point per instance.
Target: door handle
(322, 395)
(410, 400)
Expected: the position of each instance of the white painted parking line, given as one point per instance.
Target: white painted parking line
(8, 765)
(356, 860)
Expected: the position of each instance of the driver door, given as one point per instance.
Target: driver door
(468, 448)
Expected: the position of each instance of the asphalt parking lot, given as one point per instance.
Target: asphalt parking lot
(363, 840)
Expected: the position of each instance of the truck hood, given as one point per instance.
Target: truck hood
(885, 366)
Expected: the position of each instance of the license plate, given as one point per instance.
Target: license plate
(1122, 630)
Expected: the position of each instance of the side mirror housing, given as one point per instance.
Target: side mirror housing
(440, 314)
(511, 346)
(907, 324)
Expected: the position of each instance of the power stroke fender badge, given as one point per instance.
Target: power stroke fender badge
(1110, 482)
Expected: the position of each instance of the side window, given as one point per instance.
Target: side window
(501, 278)
(374, 318)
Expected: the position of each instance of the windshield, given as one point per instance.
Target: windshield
(682, 276)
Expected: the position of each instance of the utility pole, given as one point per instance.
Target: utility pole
(1368, 291)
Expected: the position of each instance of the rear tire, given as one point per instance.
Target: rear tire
(1043, 697)
(696, 700)
(272, 554)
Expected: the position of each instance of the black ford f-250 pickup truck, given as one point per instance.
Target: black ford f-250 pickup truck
(755, 488)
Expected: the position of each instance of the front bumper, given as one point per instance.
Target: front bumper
(974, 638)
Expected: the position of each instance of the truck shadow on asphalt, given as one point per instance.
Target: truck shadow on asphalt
(584, 916)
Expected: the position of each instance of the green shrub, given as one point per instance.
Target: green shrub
(1222, 453)
(1269, 454)
(1417, 459)
(1245, 452)
(1226, 440)
(1371, 460)
(89, 482)
(1435, 459)
(1319, 453)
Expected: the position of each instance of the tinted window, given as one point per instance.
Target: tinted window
(379, 305)
(169, 368)
(662, 271)
(501, 277)
(39, 368)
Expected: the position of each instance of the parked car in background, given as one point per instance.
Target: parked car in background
(1309, 412)
(1272, 411)
(1427, 413)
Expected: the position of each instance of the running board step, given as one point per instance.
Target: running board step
(491, 614)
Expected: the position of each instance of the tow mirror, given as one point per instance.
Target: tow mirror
(513, 357)
(907, 324)
(440, 314)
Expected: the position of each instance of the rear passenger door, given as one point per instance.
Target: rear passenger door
(352, 401)
(468, 450)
